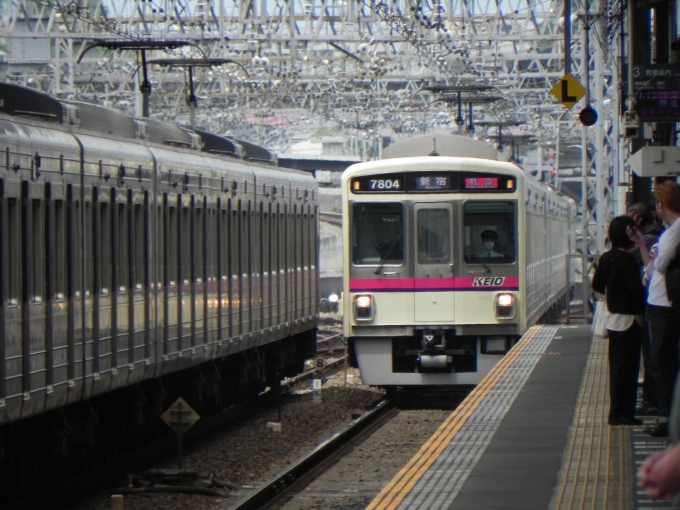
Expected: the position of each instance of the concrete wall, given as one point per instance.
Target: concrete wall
(330, 200)
(330, 246)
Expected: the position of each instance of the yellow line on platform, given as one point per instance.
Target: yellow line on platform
(402, 483)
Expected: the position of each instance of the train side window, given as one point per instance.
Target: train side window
(139, 232)
(14, 266)
(106, 252)
(490, 232)
(234, 244)
(186, 247)
(172, 247)
(211, 246)
(434, 242)
(38, 252)
(59, 240)
(199, 246)
(377, 233)
(123, 254)
(223, 239)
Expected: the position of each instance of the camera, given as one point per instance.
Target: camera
(631, 125)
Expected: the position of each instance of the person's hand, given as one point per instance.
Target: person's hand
(660, 474)
(636, 217)
(635, 235)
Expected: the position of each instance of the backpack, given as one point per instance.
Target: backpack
(673, 279)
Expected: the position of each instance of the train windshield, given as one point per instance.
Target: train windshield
(490, 230)
(377, 233)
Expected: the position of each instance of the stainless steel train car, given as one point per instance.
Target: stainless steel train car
(139, 262)
(448, 259)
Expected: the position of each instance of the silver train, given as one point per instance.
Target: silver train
(450, 256)
(139, 262)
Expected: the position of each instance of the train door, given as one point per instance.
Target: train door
(433, 271)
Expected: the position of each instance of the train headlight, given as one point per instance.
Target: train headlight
(505, 306)
(363, 307)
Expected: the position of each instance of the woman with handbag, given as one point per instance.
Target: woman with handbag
(618, 277)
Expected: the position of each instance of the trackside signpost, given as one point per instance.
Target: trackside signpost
(180, 417)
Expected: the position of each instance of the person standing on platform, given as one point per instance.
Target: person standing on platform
(644, 219)
(618, 277)
(663, 321)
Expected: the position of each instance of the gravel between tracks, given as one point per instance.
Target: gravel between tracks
(249, 454)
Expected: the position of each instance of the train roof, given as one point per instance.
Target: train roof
(18, 100)
(216, 144)
(256, 152)
(442, 145)
(104, 120)
(431, 163)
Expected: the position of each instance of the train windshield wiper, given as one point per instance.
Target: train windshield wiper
(482, 263)
(383, 259)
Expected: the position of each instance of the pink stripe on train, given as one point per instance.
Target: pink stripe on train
(433, 284)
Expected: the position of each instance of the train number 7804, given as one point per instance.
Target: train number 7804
(384, 184)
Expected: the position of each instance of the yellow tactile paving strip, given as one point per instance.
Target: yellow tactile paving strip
(402, 484)
(596, 468)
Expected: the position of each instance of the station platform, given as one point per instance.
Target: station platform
(532, 435)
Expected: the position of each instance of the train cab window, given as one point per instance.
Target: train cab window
(490, 231)
(377, 233)
(434, 227)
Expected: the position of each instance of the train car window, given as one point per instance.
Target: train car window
(75, 235)
(14, 264)
(377, 233)
(139, 239)
(490, 231)
(434, 228)
(245, 243)
(212, 235)
(186, 246)
(234, 244)
(105, 249)
(80, 278)
(123, 254)
(37, 252)
(199, 245)
(172, 247)
(59, 240)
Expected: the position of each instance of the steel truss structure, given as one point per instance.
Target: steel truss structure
(354, 68)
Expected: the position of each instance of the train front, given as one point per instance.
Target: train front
(433, 268)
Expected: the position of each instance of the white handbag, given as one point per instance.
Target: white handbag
(599, 326)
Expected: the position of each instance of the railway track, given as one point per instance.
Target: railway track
(332, 218)
(278, 490)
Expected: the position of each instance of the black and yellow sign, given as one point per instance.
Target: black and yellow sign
(568, 91)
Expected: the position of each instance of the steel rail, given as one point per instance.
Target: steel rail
(309, 467)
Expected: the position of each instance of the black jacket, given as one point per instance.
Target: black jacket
(618, 273)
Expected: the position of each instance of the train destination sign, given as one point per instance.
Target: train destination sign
(433, 182)
(481, 183)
